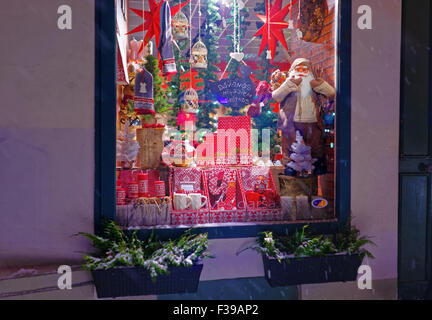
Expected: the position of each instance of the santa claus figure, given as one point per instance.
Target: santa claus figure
(298, 93)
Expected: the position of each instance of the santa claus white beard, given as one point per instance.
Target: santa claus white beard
(305, 87)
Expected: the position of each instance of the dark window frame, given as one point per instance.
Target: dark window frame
(105, 134)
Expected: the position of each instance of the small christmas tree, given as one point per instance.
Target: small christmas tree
(301, 157)
(160, 92)
(127, 147)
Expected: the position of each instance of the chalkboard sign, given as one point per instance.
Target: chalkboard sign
(236, 92)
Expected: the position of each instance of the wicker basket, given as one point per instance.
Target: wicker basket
(145, 212)
(296, 195)
(296, 186)
(151, 147)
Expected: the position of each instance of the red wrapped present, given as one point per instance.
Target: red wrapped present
(234, 141)
(206, 151)
(189, 217)
(254, 176)
(221, 185)
(227, 203)
(265, 205)
(187, 180)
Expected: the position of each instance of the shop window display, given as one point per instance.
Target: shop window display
(226, 112)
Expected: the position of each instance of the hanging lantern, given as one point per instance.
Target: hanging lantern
(198, 58)
(180, 25)
(190, 101)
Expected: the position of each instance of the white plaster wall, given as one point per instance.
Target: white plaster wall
(46, 131)
(375, 131)
(375, 147)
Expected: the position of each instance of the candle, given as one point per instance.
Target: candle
(143, 190)
(133, 190)
(160, 188)
(120, 196)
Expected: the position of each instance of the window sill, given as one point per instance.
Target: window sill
(236, 229)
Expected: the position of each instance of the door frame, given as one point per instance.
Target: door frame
(408, 166)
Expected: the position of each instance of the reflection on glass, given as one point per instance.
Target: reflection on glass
(226, 112)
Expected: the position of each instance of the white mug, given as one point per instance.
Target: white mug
(181, 201)
(196, 200)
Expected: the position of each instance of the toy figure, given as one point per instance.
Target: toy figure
(299, 98)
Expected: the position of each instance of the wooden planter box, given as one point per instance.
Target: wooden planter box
(295, 271)
(136, 281)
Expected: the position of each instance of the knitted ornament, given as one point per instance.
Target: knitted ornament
(143, 100)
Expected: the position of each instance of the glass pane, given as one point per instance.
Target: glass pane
(226, 112)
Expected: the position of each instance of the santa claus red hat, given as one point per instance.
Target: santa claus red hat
(300, 61)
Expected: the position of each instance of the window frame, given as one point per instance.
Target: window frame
(105, 135)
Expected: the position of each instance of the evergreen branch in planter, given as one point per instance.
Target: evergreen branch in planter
(119, 250)
(304, 244)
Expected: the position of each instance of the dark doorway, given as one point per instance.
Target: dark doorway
(415, 166)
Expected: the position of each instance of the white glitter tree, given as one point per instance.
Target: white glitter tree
(302, 161)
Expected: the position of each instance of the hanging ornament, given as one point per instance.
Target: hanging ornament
(190, 98)
(151, 19)
(180, 26)
(299, 33)
(268, 54)
(157, 22)
(291, 21)
(143, 100)
(198, 53)
(271, 31)
(236, 55)
(241, 4)
(198, 58)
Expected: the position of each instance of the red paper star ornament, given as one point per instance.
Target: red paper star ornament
(271, 31)
(151, 20)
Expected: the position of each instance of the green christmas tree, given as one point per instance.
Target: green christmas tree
(160, 95)
(210, 31)
(175, 83)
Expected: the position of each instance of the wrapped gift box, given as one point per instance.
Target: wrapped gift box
(206, 151)
(187, 180)
(189, 217)
(234, 152)
(229, 204)
(267, 209)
